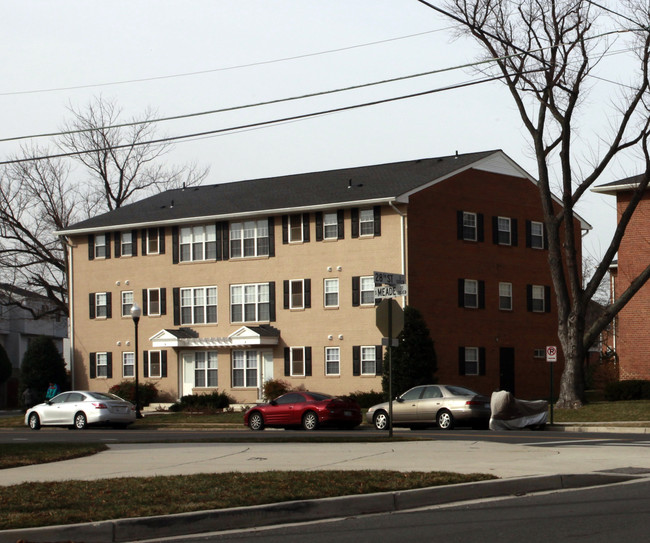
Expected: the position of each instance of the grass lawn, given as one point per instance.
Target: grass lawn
(44, 504)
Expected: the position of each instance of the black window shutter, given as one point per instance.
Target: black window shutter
(495, 230)
(145, 301)
(272, 301)
(480, 230)
(134, 242)
(218, 228)
(109, 305)
(271, 228)
(175, 245)
(161, 240)
(308, 361)
(481, 294)
(529, 297)
(547, 299)
(319, 226)
(514, 235)
(109, 365)
(176, 297)
(163, 363)
(339, 223)
(91, 304)
(163, 301)
(145, 363)
(305, 227)
(307, 292)
(356, 291)
(91, 246)
(356, 360)
(529, 237)
(379, 367)
(285, 229)
(118, 244)
(287, 362)
(354, 218)
(107, 238)
(461, 293)
(461, 360)
(93, 365)
(143, 233)
(285, 285)
(481, 360)
(377, 215)
(459, 225)
(225, 240)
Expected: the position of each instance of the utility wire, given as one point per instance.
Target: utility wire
(252, 125)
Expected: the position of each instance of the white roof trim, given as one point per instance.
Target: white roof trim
(243, 337)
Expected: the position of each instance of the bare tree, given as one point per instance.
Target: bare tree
(39, 196)
(545, 52)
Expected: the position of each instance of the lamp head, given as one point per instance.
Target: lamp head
(136, 312)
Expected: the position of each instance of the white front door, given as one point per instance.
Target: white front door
(188, 373)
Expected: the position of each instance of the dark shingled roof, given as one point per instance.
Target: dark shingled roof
(335, 187)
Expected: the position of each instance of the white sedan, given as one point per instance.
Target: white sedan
(80, 408)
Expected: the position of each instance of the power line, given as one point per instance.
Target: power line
(226, 68)
(260, 124)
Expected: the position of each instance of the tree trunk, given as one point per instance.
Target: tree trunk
(572, 389)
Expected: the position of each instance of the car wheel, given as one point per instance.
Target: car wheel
(256, 421)
(381, 420)
(80, 421)
(445, 420)
(34, 421)
(310, 421)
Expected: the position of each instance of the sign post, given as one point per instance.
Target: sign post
(390, 321)
(551, 358)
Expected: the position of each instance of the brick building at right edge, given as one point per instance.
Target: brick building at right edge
(631, 336)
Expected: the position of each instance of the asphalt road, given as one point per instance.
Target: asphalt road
(598, 515)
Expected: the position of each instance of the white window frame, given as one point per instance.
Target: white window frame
(101, 245)
(249, 296)
(332, 361)
(199, 299)
(296, 228)
(197, 243)
(101, 305)
(367, 290)
(504, 230)
(101, 365)
(297, 361)
(536, 238)
(470, 225)
(206, 369)
(245, 368)
(249, 239)
(330, 225)
(538, 299)
(128, 365)
(331, 292)
(471, 361)
(470, 290)
(124, 236)
(297, 294)
(127, 302)
(153, 241)
(368, 360)
(367, 222)
(151, 363)
(151, 312)
(505, 296)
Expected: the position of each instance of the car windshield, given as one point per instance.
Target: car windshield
(104, 396)
(461, 391)
(319, 397)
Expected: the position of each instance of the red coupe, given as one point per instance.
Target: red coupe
(307, 409)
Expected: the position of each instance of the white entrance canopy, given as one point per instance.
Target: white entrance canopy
(246, 336)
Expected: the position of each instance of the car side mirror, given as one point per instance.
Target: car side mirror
(273, 402)
(398, 399)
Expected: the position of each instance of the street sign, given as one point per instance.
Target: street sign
(390, 291)
(551, 353)
(390, 318)
(392, 279)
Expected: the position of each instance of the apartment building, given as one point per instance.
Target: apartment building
(273, 278)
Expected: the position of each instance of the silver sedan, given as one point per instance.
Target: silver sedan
(79, 408)
(428, 405)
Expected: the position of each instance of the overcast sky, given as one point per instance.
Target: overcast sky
(189, 56)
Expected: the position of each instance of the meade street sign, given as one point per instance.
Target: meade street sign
(391, 291)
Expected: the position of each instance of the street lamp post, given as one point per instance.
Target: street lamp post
(135, 315)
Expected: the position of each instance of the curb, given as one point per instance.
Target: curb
(134, 529)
